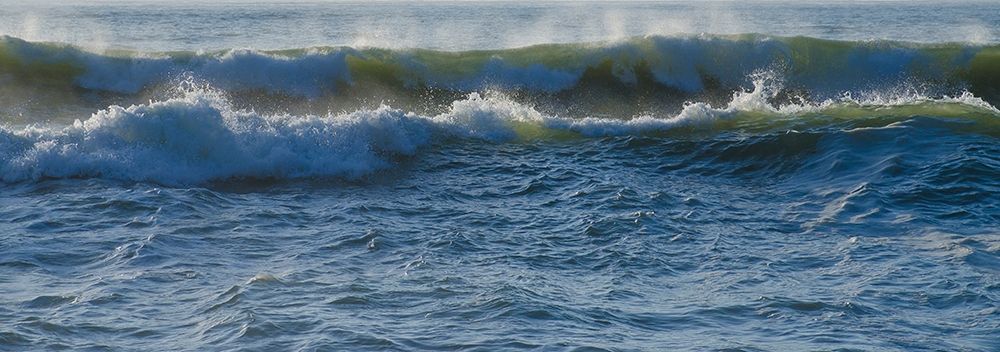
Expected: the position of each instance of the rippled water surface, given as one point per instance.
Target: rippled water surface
(547, 199)
(808, 240)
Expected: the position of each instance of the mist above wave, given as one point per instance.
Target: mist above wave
(677, 65)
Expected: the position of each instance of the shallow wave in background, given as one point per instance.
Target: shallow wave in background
(683, 64)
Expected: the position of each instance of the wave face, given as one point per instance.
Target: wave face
(682, 65)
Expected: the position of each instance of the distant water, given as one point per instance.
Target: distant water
(500, 176)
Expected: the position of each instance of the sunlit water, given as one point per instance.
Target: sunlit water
(188, 25)
(521, 200)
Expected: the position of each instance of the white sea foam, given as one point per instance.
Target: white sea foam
(198, 138)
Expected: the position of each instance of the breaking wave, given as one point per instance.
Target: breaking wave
(200, 137)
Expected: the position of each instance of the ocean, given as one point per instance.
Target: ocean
(500, 176)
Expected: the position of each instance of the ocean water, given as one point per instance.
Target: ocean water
(494, 176)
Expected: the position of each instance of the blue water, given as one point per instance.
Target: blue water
(826, 192)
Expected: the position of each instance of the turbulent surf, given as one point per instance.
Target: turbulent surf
(493, 176)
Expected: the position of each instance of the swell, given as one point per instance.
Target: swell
(682, 66)
(225, 115)
(200, 137)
